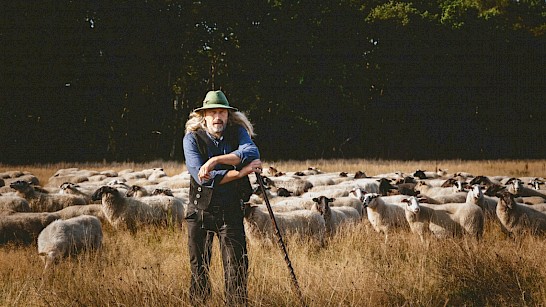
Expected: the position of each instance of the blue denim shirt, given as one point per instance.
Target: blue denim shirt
(247, 152)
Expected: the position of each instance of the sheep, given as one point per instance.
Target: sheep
(516, 187)
(519, 218)
(425, 188)
(62, 238)
(424, 219)
(162, 198)
(171, 206)
(292, 203)
(257, 196)
(12, 176)
(492, 186)
(136, 191)
(384, 217)
(330, 191)
(91, 209)
(74, 189)
(304, 223)
(385, 186)
(43, 202)
(24, 227)
(446, 220)
(370, 185)
(536, 183)
(298, 186)
(425, 175)
(334, 217)
(127, 213)
(14, 204)
(349, 201)
(73, 175)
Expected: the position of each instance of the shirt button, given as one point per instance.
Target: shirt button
(198, 195)
(195, 202)
(199, 189)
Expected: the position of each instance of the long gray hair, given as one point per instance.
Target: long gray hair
(196, 121)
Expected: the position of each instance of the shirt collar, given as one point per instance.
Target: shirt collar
(215, 140)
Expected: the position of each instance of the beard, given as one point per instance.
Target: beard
(217, 128)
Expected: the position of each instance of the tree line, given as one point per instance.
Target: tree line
(116, 80)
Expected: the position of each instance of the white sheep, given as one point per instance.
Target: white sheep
(24, 227)
(127, 213)
(45, 202)
(63, 238)
(446, 220)
(384, 217)
(334, 217)
(330, 191)
(303, 223)
(427, 189)
(516, 187)
(519, 218)
(292, 203)
(296, 185)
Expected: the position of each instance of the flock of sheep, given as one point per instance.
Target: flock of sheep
(66, 215)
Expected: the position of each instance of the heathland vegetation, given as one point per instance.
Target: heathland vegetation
(355, 268)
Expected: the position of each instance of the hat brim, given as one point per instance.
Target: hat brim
(215, 106)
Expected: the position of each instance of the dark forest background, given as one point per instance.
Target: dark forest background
(115, 80)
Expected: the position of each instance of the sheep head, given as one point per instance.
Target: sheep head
(536, 182)
(358, 193)
(506, 201)
(323, 204)
(99, 193)
(412, 204)
(21, 186)
(369, 200)
(136, 189)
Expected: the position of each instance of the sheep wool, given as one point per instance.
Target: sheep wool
(62, 238)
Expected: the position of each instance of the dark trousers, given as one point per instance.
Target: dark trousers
(202, 227)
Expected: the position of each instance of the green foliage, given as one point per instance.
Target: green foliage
(394, 11)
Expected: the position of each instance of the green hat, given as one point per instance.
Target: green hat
(215, 100)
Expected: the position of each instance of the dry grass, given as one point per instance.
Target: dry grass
(356, 268)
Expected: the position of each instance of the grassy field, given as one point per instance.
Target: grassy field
(356, 268)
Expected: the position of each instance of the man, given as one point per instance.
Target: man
(220, 155)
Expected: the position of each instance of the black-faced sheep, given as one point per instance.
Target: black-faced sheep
(62, 238)
(44, 202)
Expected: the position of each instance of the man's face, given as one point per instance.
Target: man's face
(216, 120)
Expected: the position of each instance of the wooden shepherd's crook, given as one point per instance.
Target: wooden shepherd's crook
(280, 241)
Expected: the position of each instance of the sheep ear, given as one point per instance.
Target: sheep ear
(405, 200)
(331, 199)
(315, 199)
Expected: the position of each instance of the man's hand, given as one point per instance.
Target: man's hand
(254, 166)
(204, 171)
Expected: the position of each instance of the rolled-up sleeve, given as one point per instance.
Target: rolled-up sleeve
(247, 150)
(194, 161)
